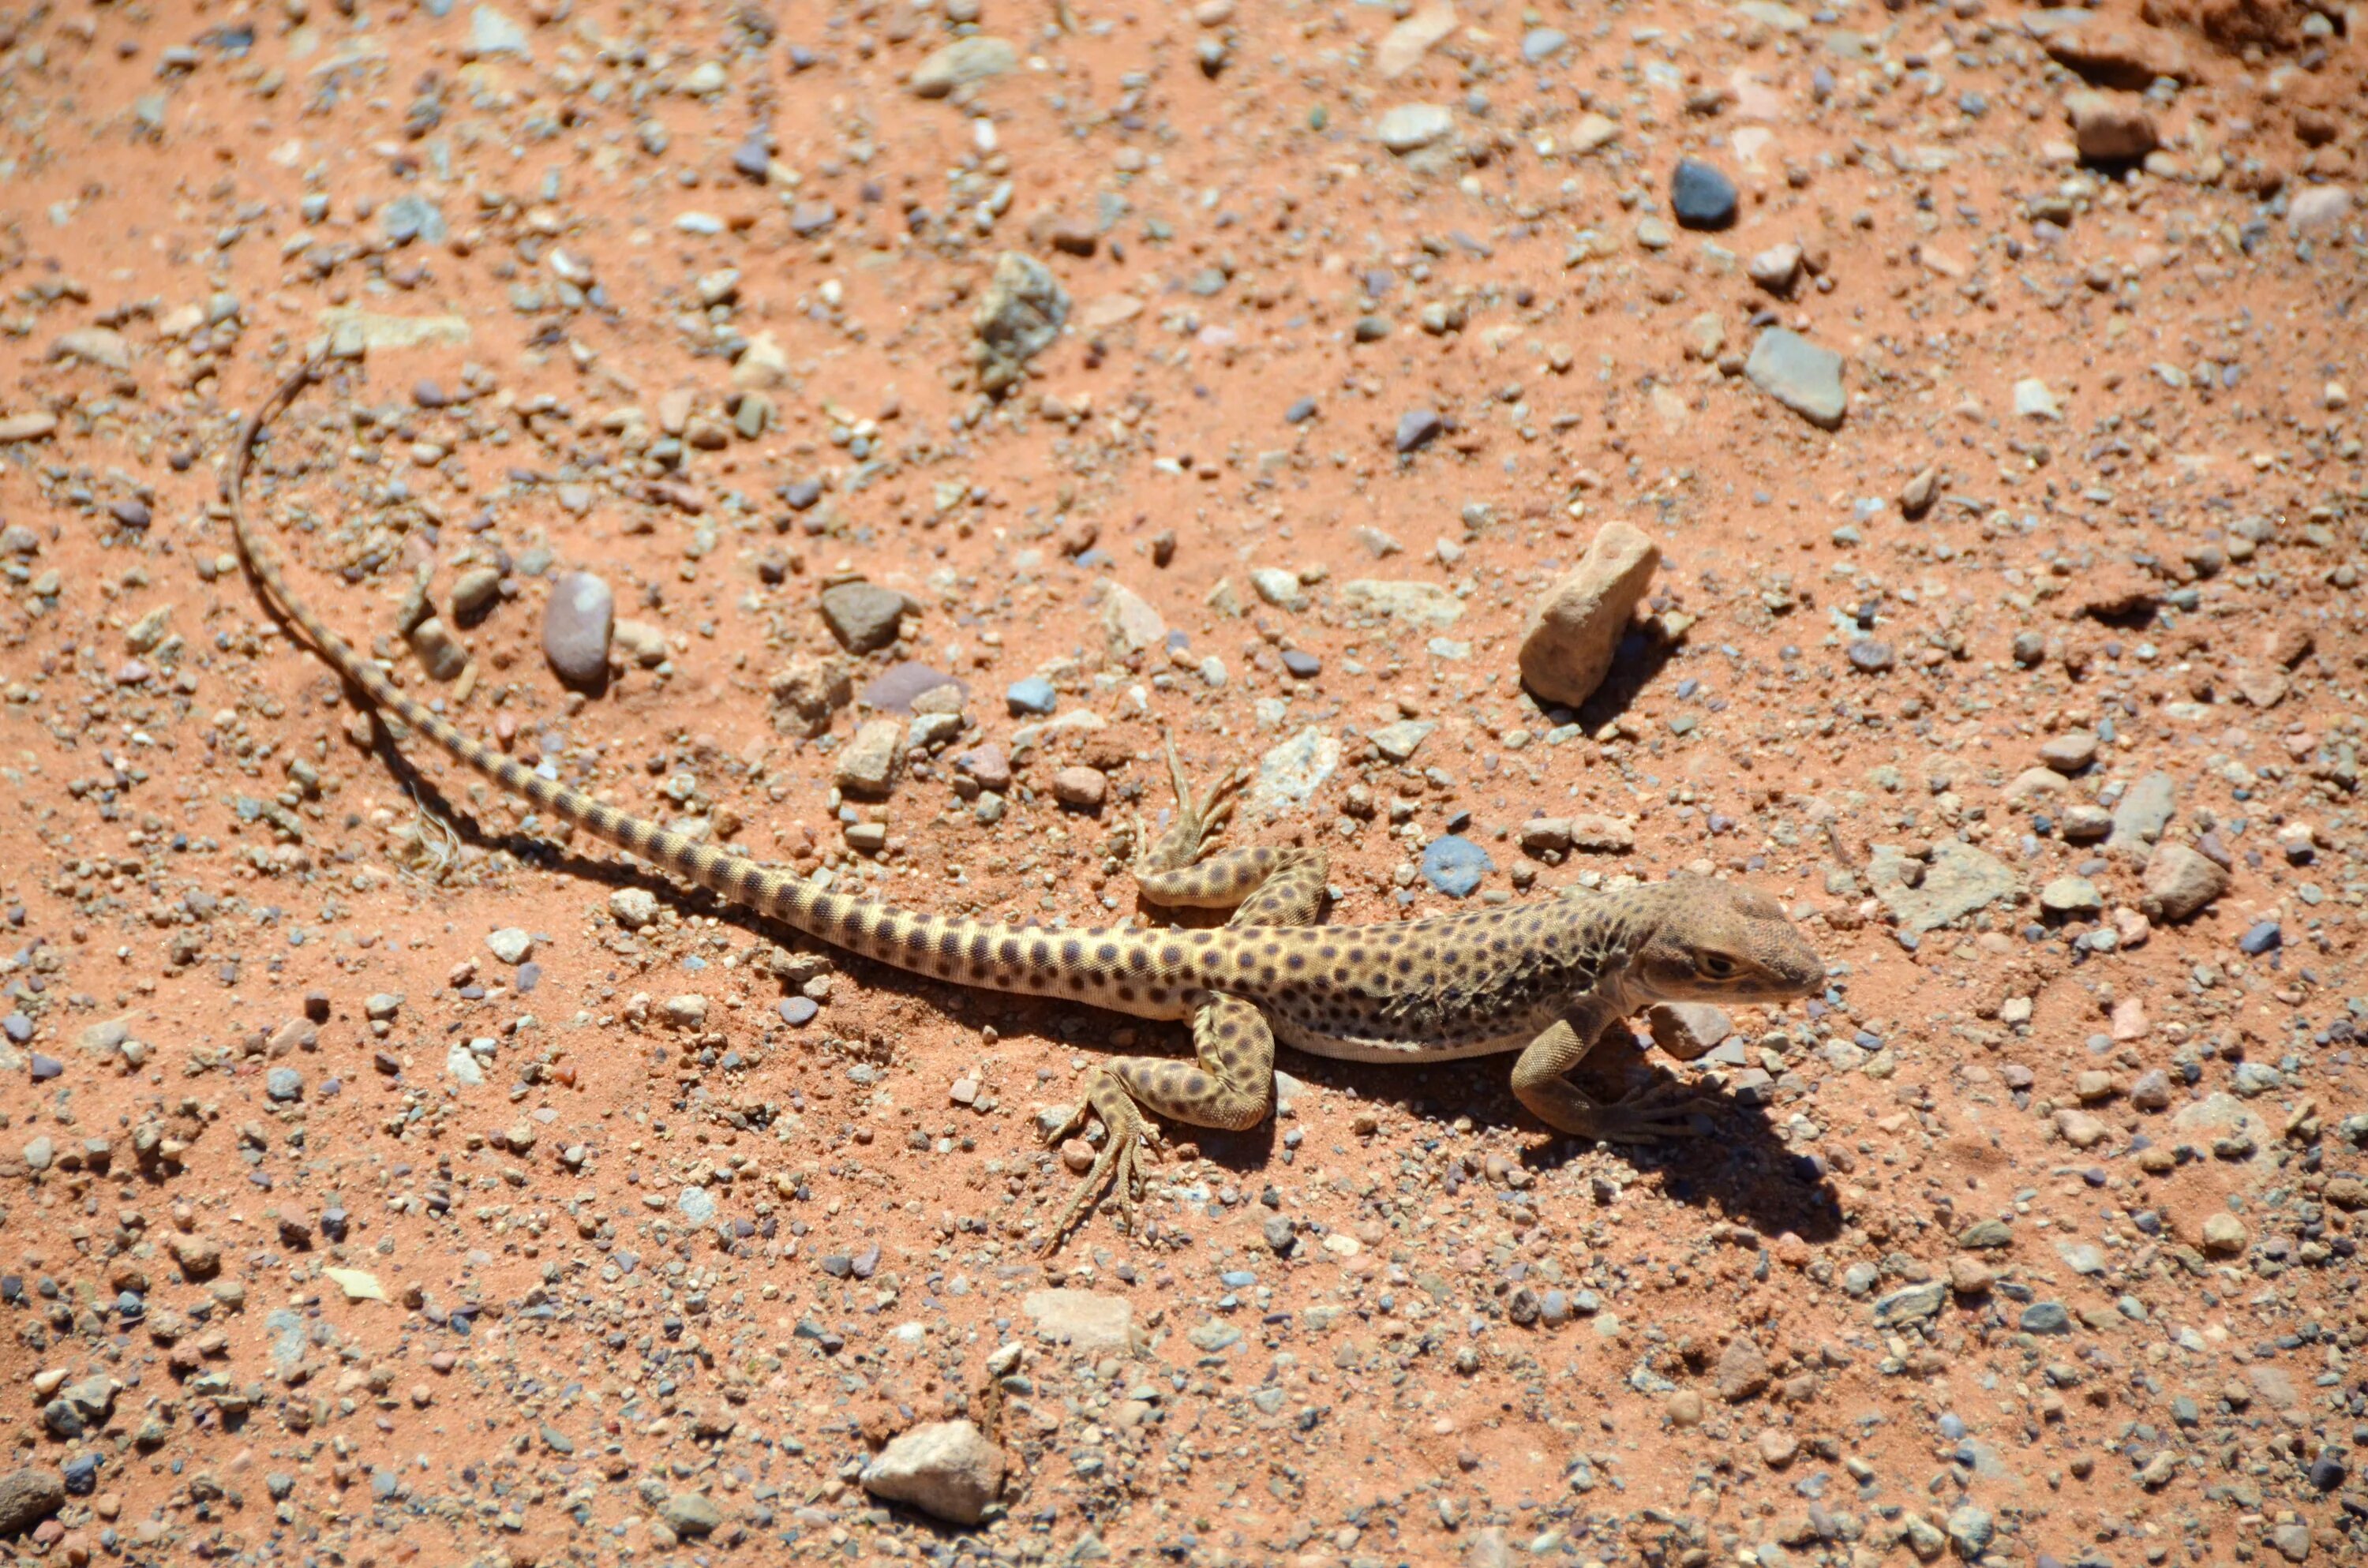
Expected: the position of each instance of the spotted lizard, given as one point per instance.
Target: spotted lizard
(1546, 978)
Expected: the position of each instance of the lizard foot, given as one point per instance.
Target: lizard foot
(1198, 820)
(1119, 1165)
(1650, 1114)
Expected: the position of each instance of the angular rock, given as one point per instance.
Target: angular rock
(1019, 315)
(1690, 1030)
(2179, 881)
(691, 1514)
(1421, 604)
(867, 764)
(1293, 770)
(1130, 625)
(1403, 47)
(1800, 375)
(807, 690)
(1409, 128)
(2146, 809)
(27, 1496)
(862, 616)
(1576, 627)
(1742, 1371)
(1701, 194)
(946, 1469)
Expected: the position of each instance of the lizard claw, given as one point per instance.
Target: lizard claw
(1119, 1164)
(1652, 1115)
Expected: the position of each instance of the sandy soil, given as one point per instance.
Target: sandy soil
(387, 1177)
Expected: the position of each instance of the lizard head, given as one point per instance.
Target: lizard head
(1714, 941)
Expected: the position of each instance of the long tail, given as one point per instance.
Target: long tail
(1121, 970)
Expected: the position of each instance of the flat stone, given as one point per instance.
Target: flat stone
(2065, 897)
(1416, 428)
(1083, 789)
(2071, 752)
(2317, 209)
(1799, 374)
(1290, 772)
(691, 1514)
(1742, 1371)
(353, 331)
(1409, 128)
(1400, 741)
(1455, 865)
(1403, 47)
(2146, 809)
(491, 31)
(511, 944)
(2032, 400)
(1541, 44)
(946, 1469)
(910, 686)
(862, 616)
(1959, 879)
(27, 1496)
(1278, 587)
(1688, 1031)
(961, 63)
(1594, 833)
(101, 345)
(1419, 604)
(1575, 628)
(578, 623)
(413, 216)
(1913, 1304)
(1032, 697)
(1086, 1321)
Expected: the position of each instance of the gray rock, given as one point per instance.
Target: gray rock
(1912, 1304)
(867, 764)
(576, 625)
(1959, 879)
(1419, 604)
(807, 690)
(39, 1152)
(491, 31)
(1409, 128)
(946, 1469)
(2065, 897)
(1400, 741)
(1417, 428)
(1086, 1321)
(2071, 752)
(1544, 43)
(633, 908)
(1800, 375)
(2179, 881)
(2317, 209)
(1576, 626)
(862, 616)
(27, 1496)
(698, 1205)
(462, 1066)
(1019, 316)
(907, 688)
(961, 63)
(1293, 771)
(1130, 625)
(1279, 587)
(1455, 865)
(2144, 812)
(1688, 1031)
(474, 594)
(284, 1085)
(690, 1514)
(1702, 195)
(412, 216)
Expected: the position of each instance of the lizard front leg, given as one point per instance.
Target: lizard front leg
(1540, 1082)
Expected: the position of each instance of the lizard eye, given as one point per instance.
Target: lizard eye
(1718, 966)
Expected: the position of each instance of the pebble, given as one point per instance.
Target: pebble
(797, 1010)
(578, 623)
(1417, 428)
(1409, 128)
(1032, 696)
(1777, 268)
(1799, 374)
(1701, 194)
(866, 764)
(27, 1496)
(511, 944)
(2109, 127)
(961, 63)
(284, 1085)
(1455, 865)
(862, 616)
(2070, 752)
(2179, 881)
(1083, 789)
(1019, 314)
(1869, 656)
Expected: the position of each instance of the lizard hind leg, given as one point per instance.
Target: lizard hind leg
(1229, 1085)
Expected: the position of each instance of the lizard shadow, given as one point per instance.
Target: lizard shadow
(1740, 1171)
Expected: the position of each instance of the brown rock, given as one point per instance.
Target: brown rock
(28, 1497)
(2178, 881)
(1566, 648)
(2130, 58)
(807, 690)
(2109, 128)
(1742, 1371)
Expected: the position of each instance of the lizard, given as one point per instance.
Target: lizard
(1545, 979)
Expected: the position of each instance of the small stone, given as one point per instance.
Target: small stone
(1593, 833)
(2070, 752)
(1575, 628)
(2260, 938)
(690, 1514)
(807, 692)
(491, 31)
(633, 908)
(2144, 812)
(911, 686)
(946, 1469)
(1541, 44)
(2079, 1128)
(1032, 697)
(867, 764)
(442, 655)
(798, 1010)
(1799, 374)
(1400, 741)
(2069, 897)
(2151, 1092)
(1916, 496)
(474, 594)
(989, 766)
(285, 1086)
(1130, 625)
(1690, 1030)
(2034, 400)
(1403, 47)
(862, 616)
(1085, 789)
(1409, 128)
(2179, 881)
(1417, 428)
(1869, 656)
(2318, 209)
(1684, 1408)
(1019, 315)
(2224, 1235)
(961, 63)
(1702, 195)
(578, 623)
(1742, 1371)
(1777, 1447)
(512, 944)
(1279, 587)
(2292, 1540)
(1455, 865)
(1777, 268)
(2109, 127)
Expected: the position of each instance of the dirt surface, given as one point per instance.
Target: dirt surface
(386, 1177)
